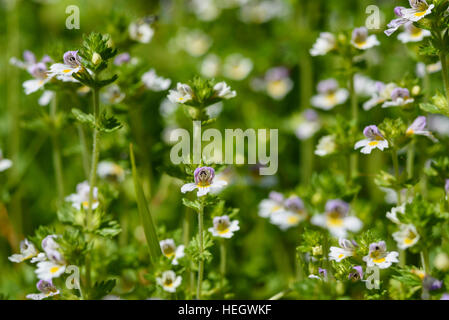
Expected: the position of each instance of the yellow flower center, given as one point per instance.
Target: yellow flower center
(54, 269)
(373, 143)
(379, 260)
(292, 219)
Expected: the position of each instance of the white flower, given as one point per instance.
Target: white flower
(374, 140)
(439, 124)
(399, 97)
(378, 256)
(113, 94)
(325, 43)
(141, 32)
(195, 42)
(47, 270)
(182, 94)
(224, 91)
(273, 204)
(407, 236)
(393, 214)
(365, 86)
(237, 67)
(40, 74)
(286, 219)
(326, 146)
(362, 41)
(210, 67)
(223, 227)
(155, 83)
(64, 71)
(262, 11)
(346, 249)
(277, 82)
(81, 197)
(169, 281)
(27, 251)
(329, 95)
(4, 163)
(109, 169)
(46, 288)
(422, 69)
(204, 182)
(413, 34)
(46, 97)
(170, 250)
(53, 264)
(382, 94)
(419, 9)
(205, 10)
(336, 219)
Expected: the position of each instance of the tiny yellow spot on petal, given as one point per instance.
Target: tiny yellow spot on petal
(54, 269)
(379, 260)
(373, 143)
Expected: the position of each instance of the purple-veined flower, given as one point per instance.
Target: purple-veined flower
(329, 95)
(322, 275)
(64, 71)
(46, 288)
(169, 281)
(309, 125)
(122, 59)
(379, 256)
(336, 219)
(399, 97)
(357, 275)
(380, 96)
(81, 197)
(171, 251)
(374, 139)
(406, 237)
(419, 9)
(277, 82)
(346, 249)
(273, 204)
(362, 41)
(222, 90)
(418, 127)
(291, 213)
(413, 34)
(325, 43)
(204, 182)
(27, 251)
(53, 264)
(224, 227)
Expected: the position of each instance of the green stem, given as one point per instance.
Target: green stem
(425, 261)
(354, 158)
(84, 151)
(57, 162)
(201, 249)
(222, 263)
(410, 164)
(394, 157)
(443, 60)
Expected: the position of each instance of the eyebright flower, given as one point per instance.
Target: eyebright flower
(329, 95)
(46, 288)
(5, 164)
(182, 94)
(113, 94)
(419, 9)
(64, 71)
(155, 83)
(423, 69)
(326, 146)
(169, 281)
(322, 275)
(379, 256)
(406, 237)
(418, 128)
(140, 32)
(273, 204)
(374, 140)
(195, 42)
(170, 250)
(325, 43)
(309, 125)
(392, 215)
(29, 60)
(237, 67)
(431, 284)
(364, 86)
(122, 59)
(277, 82)
(39, 72)
(55, 265)
(362, 41)
(291, 214)
(346, 249)
(81, 197)
(223, 227)
(224, 91)
(357, 275)
(110, 170)
(413, 34)
(336, 219)
(382, 94)
(204, 182)
(399, 97)
(27, 251)
(210, 67)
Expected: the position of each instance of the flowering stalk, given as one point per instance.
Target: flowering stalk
(443, 60)
(57, 163)
(201, 249)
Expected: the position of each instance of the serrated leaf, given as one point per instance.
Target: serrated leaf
(195, 205)
(101, 289)
(84, 117)
(109, 124)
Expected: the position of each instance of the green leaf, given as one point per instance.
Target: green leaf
(195, 205)
(84, 117)
(101, 289)
(145, 214)
(109, 124)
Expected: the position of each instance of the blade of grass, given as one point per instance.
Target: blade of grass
(145, 214)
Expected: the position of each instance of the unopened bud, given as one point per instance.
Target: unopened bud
(96, 58)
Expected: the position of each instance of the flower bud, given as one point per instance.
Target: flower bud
(96, 58)
(416, 90)
(441, 261)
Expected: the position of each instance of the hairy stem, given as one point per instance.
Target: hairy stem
(443, 60)
(57, 162)
(201, 249)
(222, 263)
